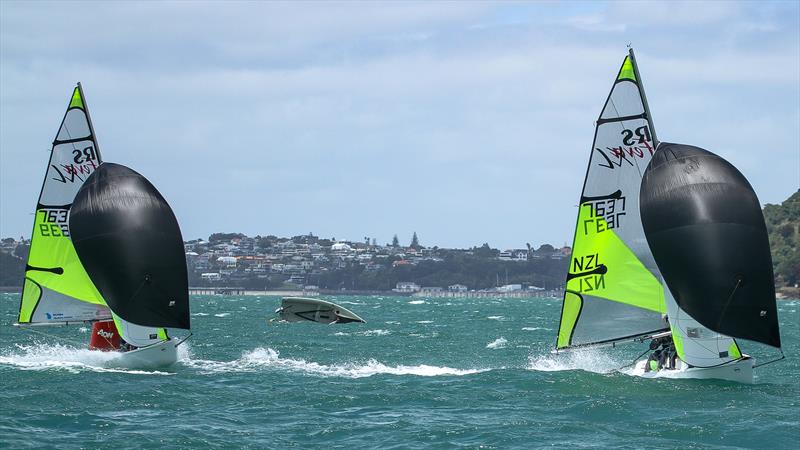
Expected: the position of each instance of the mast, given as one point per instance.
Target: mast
(644, 98)
(89, 119)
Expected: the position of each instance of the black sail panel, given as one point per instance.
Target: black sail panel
(129, 241)
(706, 231)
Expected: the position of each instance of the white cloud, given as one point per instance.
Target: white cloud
(434, 117)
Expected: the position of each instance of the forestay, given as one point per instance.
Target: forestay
(57, 288)
(613, 288)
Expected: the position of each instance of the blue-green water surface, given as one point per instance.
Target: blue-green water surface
(421, 373)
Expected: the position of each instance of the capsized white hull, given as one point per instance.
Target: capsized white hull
(159, 355)
(740, 371)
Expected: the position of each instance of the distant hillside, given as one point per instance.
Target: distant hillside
(12, 270)
(783, 226)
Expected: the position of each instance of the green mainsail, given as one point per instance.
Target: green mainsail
(57, 288)
(613, 288)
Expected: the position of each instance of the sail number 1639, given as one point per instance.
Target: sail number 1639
(54, 222)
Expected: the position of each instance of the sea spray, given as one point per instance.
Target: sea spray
(269, 359)
(590, 360)
(57, 357)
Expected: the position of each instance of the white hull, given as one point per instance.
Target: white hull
(740, 371)
(158, 355)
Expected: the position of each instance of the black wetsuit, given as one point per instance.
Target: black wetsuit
(664, 353)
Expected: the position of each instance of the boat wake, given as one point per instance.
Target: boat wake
(266, 359)
(62, 357)
(587, 360)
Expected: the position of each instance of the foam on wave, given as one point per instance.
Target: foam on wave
(497, 343)
(266, 358)
(62, 357)
(589, 360)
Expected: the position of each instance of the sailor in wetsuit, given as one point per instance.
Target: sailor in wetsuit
(663, 356)
(124, 346)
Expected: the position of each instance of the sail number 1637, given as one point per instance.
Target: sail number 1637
(604, 214)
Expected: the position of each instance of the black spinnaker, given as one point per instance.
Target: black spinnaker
(705, 228)
(129, 241)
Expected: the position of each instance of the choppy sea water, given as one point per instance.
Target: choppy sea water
(421, 373)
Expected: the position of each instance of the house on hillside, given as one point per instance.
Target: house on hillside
(406, 287)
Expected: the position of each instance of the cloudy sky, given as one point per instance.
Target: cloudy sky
(465, 122)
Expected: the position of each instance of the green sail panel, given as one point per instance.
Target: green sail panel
(603, 266)
(613, 288)
(627, 72)
(57, 288)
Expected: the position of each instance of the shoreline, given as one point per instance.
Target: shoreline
(783, 293)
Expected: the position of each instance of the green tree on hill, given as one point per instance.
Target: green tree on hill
(783, 226)
(415, 242)
(484, 251)
(224, 237)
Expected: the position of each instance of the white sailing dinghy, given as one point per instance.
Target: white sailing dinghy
(615, 291)
(302, 309)
(68, 282)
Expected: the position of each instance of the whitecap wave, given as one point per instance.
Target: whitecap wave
(497, 343)
(424, 321)
(536, 329)
(416, 302)
(222, 315)
(589, 360)
(269, 359)
(70, 359)
(496, 318)
(432, 334)
(375, 333)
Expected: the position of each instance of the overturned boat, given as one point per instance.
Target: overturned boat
(303, 309)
